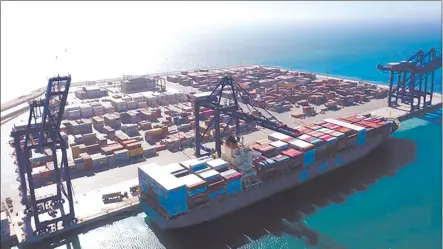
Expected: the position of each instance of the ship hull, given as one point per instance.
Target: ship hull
(216, 209)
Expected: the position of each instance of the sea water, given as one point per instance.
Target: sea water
(390, 199)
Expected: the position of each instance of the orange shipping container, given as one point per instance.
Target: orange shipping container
(135, 152)
(133, 145)
(75, 151)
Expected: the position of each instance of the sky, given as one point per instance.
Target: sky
(34, 33)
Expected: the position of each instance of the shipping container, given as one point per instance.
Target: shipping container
(99, 160)
(217, 194)
(231, 175)
(218, 164)
(197, 199)
(121, 156)
(277, 136)
(38, 159)
(169, 190)
(361, 131)
(149, 152)
(210, 176)
(194, 184)
(291, 153)
(196, 164)
(279, 145)
(300, 145)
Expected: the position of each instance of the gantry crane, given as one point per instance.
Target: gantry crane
(229, 89)
(44, 121)
(412, 85)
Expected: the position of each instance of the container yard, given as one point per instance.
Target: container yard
(136, 124)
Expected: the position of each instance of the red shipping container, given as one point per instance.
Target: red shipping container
(329, 126)
(343, 130)
(320, 123)
(315, 134)
(129, 141)
(88, 163)
(289, 138)
(233, 177)
(160, 147)
(291, 152)
(326, 137)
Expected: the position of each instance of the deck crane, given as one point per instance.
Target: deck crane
(412, 85)
(44, 121)
(228, 88)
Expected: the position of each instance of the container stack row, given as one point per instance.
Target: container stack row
(130, 117)
(164, 192)
(261, 83)
(43, 174)
(193, 182)
(131, 130)
(77, 127)
(113, 120)
(314, 143)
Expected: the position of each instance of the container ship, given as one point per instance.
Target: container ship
(179, 195)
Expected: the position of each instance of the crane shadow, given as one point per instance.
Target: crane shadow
(283, 213)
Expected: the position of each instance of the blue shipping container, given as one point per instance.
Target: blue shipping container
(198, 191)
(315, 141)
(216, 193)
(174, 209)
(309, 157)
(199, 167)
(323, 167)
(233, 191)
(304, 175)
(234, 184)
(361, 137)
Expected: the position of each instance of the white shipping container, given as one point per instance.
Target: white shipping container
(277, 136)
(161, 181)
(304, 137)
(192, 180)
(208, 174)
(280, 145)
(300, 144)
(344, 124)
(325, 130)
(217, 164)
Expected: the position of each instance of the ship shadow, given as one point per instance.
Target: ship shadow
(284, 213)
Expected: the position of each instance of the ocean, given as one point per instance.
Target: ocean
(390, 199)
